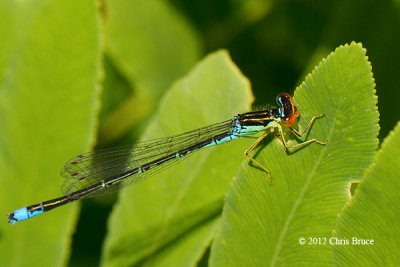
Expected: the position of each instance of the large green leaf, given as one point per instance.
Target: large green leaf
(152, 45)
(262, 224)
(171, 218)
(50, 67)
(374, 213)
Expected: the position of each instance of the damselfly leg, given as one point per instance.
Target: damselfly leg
(284, 142)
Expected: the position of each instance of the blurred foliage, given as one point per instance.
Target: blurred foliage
(147, 46)
(177, 222)
(49, 99)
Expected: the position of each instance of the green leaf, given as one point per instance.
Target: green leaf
(262, 224)
(50, 67)
(374, 212)
(172, 217)
(152, 45)
(150, 42)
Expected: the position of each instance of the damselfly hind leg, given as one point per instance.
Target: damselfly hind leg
(300, 135)
(255, 161)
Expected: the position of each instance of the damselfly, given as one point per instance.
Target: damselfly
(99, 172)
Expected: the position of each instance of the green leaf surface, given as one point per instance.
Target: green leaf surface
(374, 213)
(48, 99)
(262, 224)
(150, 42)
(176, 211)
(152, 45)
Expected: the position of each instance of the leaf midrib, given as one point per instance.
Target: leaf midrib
(297, 202)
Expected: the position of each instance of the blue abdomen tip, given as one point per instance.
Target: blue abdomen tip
(18, 215)
(22, 215)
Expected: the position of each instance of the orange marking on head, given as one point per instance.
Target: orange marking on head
(289, 120)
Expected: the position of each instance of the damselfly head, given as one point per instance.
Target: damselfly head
(287, 111)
